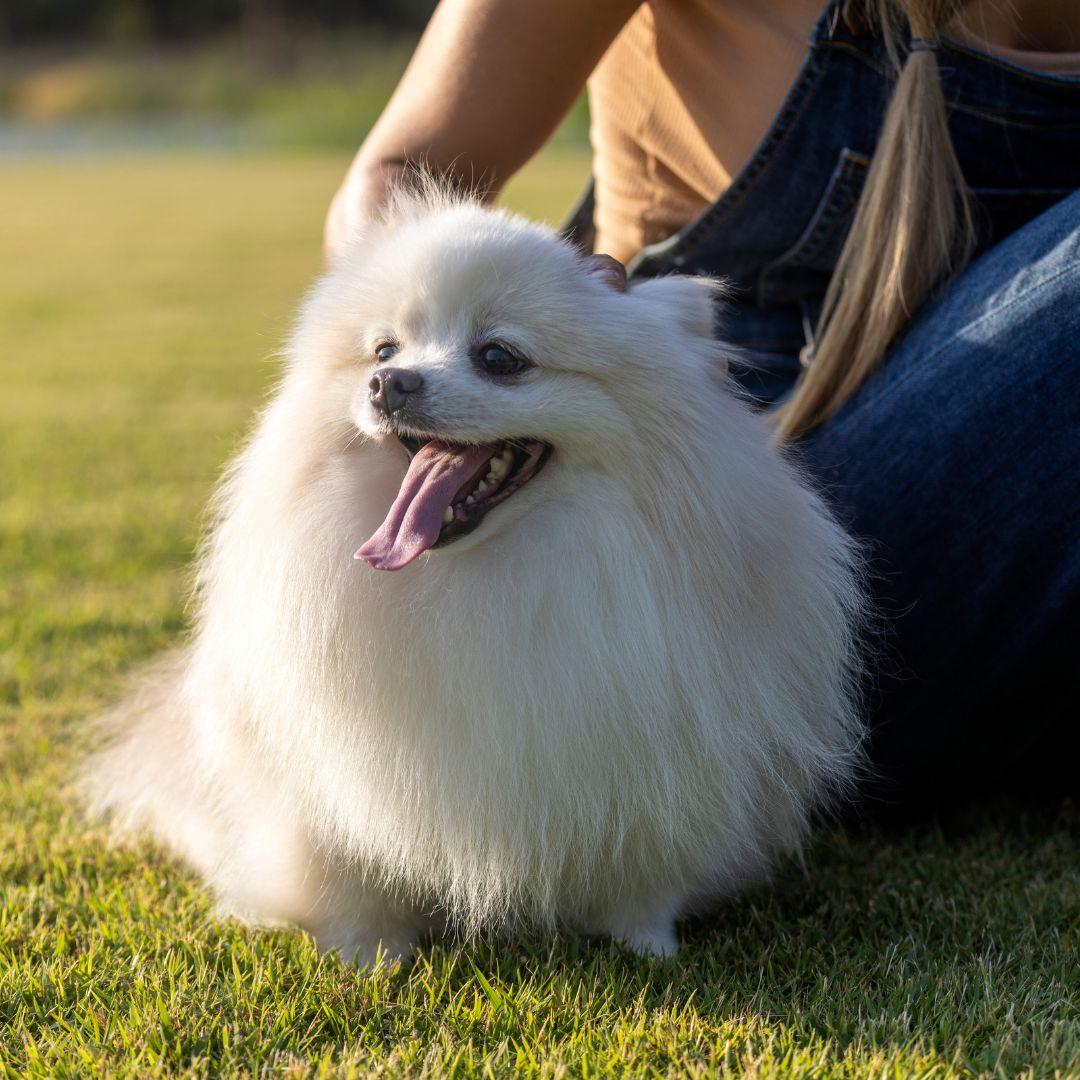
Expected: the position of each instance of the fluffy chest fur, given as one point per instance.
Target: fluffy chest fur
(574, 706)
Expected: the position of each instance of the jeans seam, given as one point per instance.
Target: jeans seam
(1006, 118)
(1064, 82)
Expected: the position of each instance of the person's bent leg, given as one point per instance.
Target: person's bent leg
(959, 463)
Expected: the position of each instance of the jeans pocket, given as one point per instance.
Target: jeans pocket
(806, 266)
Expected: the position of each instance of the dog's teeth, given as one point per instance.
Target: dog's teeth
(481, 487)
(448, 515)
(498, 468)
(469, 500)
(508, 454)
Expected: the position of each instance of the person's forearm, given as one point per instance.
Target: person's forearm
(488, 84)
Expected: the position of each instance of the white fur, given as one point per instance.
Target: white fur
(616, 700)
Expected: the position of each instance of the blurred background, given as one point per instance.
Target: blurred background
(281, 74)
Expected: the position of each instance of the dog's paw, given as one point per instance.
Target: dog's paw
(649, 937)
(658, 944)
(369, 953)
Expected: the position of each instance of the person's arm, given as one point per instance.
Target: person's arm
(486, 87)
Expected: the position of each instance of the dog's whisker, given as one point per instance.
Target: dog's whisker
(356, 433)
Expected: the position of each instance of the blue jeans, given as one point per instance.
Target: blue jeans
(958, 463)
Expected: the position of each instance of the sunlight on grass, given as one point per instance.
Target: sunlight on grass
(142, 301)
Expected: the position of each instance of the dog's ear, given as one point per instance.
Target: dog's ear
(608, 269)
(690, 301)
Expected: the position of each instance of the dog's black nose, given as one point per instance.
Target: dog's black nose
(391, 387)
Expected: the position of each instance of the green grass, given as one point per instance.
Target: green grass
(140, 301)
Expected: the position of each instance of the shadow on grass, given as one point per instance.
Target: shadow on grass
(950, 935)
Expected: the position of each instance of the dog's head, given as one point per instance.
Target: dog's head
(501, 361)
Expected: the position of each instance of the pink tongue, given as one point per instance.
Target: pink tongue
(436, 474)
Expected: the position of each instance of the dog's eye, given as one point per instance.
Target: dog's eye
(384, 352)
(494, 359)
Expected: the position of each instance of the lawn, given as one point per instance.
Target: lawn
(141, 302)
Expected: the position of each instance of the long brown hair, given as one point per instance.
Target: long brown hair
(912, 226)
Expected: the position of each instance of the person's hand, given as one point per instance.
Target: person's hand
(361, 194)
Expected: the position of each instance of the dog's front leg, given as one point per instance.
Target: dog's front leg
(366, 925)
(648, 929)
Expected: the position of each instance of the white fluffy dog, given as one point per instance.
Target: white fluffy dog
(611, 673)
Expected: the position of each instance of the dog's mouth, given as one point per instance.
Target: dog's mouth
(448, 490)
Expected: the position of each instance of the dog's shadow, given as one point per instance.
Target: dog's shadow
(888, 935)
